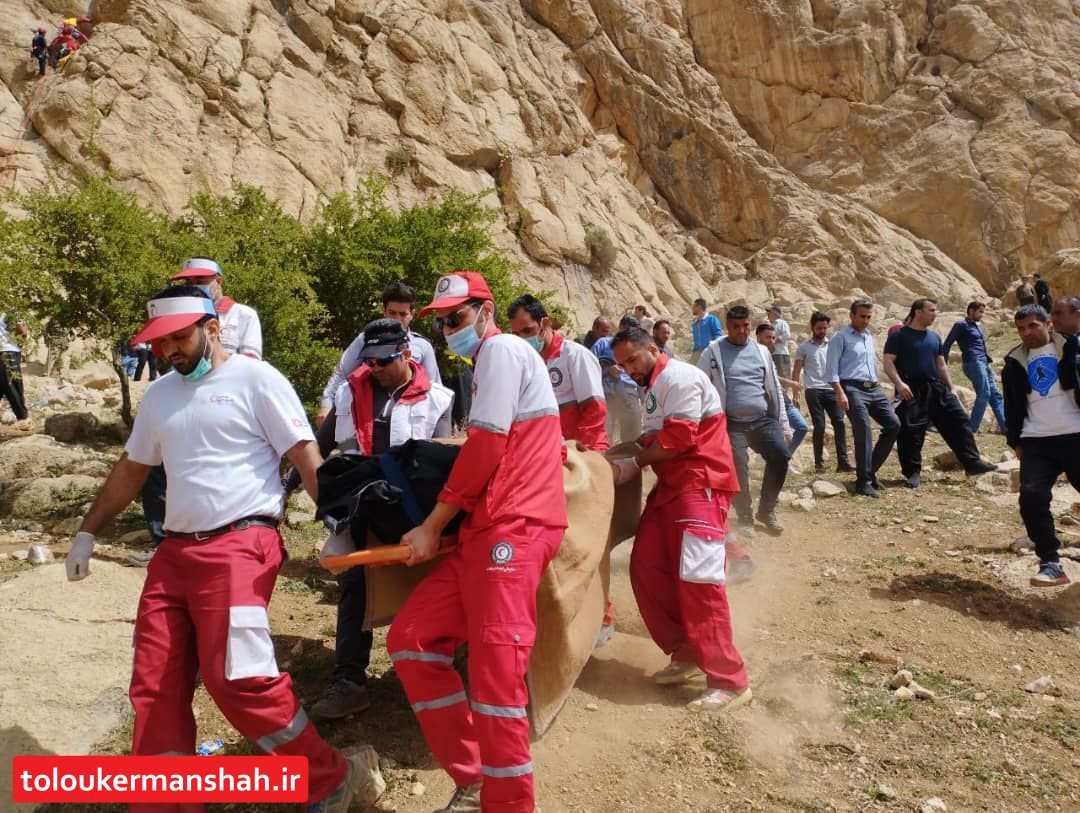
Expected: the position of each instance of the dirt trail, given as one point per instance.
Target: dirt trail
(924, 577)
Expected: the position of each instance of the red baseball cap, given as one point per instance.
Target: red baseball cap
(171, 314)
(457, 288)
(198, 267)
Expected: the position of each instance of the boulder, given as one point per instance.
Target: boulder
(68, 427)
(39, 496)
(826, 488)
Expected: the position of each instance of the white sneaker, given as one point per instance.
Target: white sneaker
(676, 672)
(720, 700)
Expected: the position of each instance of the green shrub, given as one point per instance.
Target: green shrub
(602, 251)
(398, 160)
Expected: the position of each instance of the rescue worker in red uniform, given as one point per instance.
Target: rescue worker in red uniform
(574, 372)
(220, 424)
(508, 480)
(677, 568)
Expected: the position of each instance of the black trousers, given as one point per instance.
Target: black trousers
(11, 383)
(933, 404)
(352, 647)
(822, 403)
(146, 357)
(1041, 461)
(153, 504)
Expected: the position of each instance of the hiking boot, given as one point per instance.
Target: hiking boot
(715, 700)
(912, 480)
(1051, 574)
(464, 800)
(342, 698)
(867, 490)
(602, 637)
(676, 672)
(363, 783)
(771, 522)
(740, 570)
(876, 483)
(140, 559)
(819, 468)
(746, 529)
(979, 467)
(845, 468)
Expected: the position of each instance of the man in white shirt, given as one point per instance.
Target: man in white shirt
(810, 360)
(386, 401)
(219, 423)
(1041, 385)
(11, 385)
(241, 331)
(397, 303)
(780, 353)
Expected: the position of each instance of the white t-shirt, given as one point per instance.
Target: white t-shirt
(221, 439)
(241, 331)
(1051, 410)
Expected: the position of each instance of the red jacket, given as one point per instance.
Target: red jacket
(577, 381)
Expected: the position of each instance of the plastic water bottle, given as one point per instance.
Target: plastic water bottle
(210, 747)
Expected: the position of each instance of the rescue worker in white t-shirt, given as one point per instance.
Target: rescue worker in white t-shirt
(219, 423)
(397, 304)
(386, 401)
(574, 371)
(241, 331)
(508, 480)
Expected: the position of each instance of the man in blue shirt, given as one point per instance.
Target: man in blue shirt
(976, 362)
(706, 329)
(916, 364)
(851, 370)
(622, 394)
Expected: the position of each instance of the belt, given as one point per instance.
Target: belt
(240, 525)
(862, 385)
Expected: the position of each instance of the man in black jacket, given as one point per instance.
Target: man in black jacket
(1042, 415)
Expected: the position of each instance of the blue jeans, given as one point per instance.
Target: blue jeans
(865, 406)
(799, 427)
(982, 381)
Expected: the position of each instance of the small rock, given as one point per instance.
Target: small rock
(933, 542)
(907, 529)
(417, 789)
(67, 527)
(1014, 481)
(787, 497)
(902, 678)
(952, 553)
(829, 573)
(1021, 544)
(825, 489)
(804, 505)
(980, 696)
(300, 518)
(1006, 456)
(1068, 519)
(916, 602)
(931, 518)
(134, 537)
(933, 805)
(39, 555)
(946, 461)
(994, 714)
(591, 707)
(297, 649)
(21, 555)
(1016, 669)
(1040, 685)
(1011, 766)
(904, 693)
(885, 792)
(805, 493)
(869, 656)
(921, 692)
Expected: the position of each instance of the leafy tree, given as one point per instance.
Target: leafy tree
(87, 261)
(261, 252)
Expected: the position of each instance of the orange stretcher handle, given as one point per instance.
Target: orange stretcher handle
(381, 555)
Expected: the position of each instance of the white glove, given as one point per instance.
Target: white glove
(337, 545)
(78, 559)
(625, 469)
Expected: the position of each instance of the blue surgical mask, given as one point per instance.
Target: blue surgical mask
(204, 366)
(465, 342)
(535, 342)
(205, 289)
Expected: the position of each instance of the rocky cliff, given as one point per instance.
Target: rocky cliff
(797, 150)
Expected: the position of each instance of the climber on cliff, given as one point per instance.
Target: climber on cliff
(69, 40)
(39, 49)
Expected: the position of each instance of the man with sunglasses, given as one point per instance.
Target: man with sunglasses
(508, 480)
(386, 401)
(397, 303)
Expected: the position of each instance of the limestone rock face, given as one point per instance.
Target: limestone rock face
(741, 150)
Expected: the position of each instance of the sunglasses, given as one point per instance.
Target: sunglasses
(453, 320)
(386, 362)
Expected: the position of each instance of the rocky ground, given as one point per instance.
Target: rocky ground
(852, 593)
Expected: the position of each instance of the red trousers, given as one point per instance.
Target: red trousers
(203, 612)
(677, 572)
(484, 593)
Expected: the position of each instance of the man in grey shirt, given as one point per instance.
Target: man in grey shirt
(820, 399)
(397, 302)
(781, 355)
(745, 378)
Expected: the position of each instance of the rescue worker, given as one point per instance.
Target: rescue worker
(677, 567)
(386, 401)
(220, 424)
(574, 373)
(508, 480)
(68, 40)
(621, 394)
(241, 331)
(39, 49)
(397, 303)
